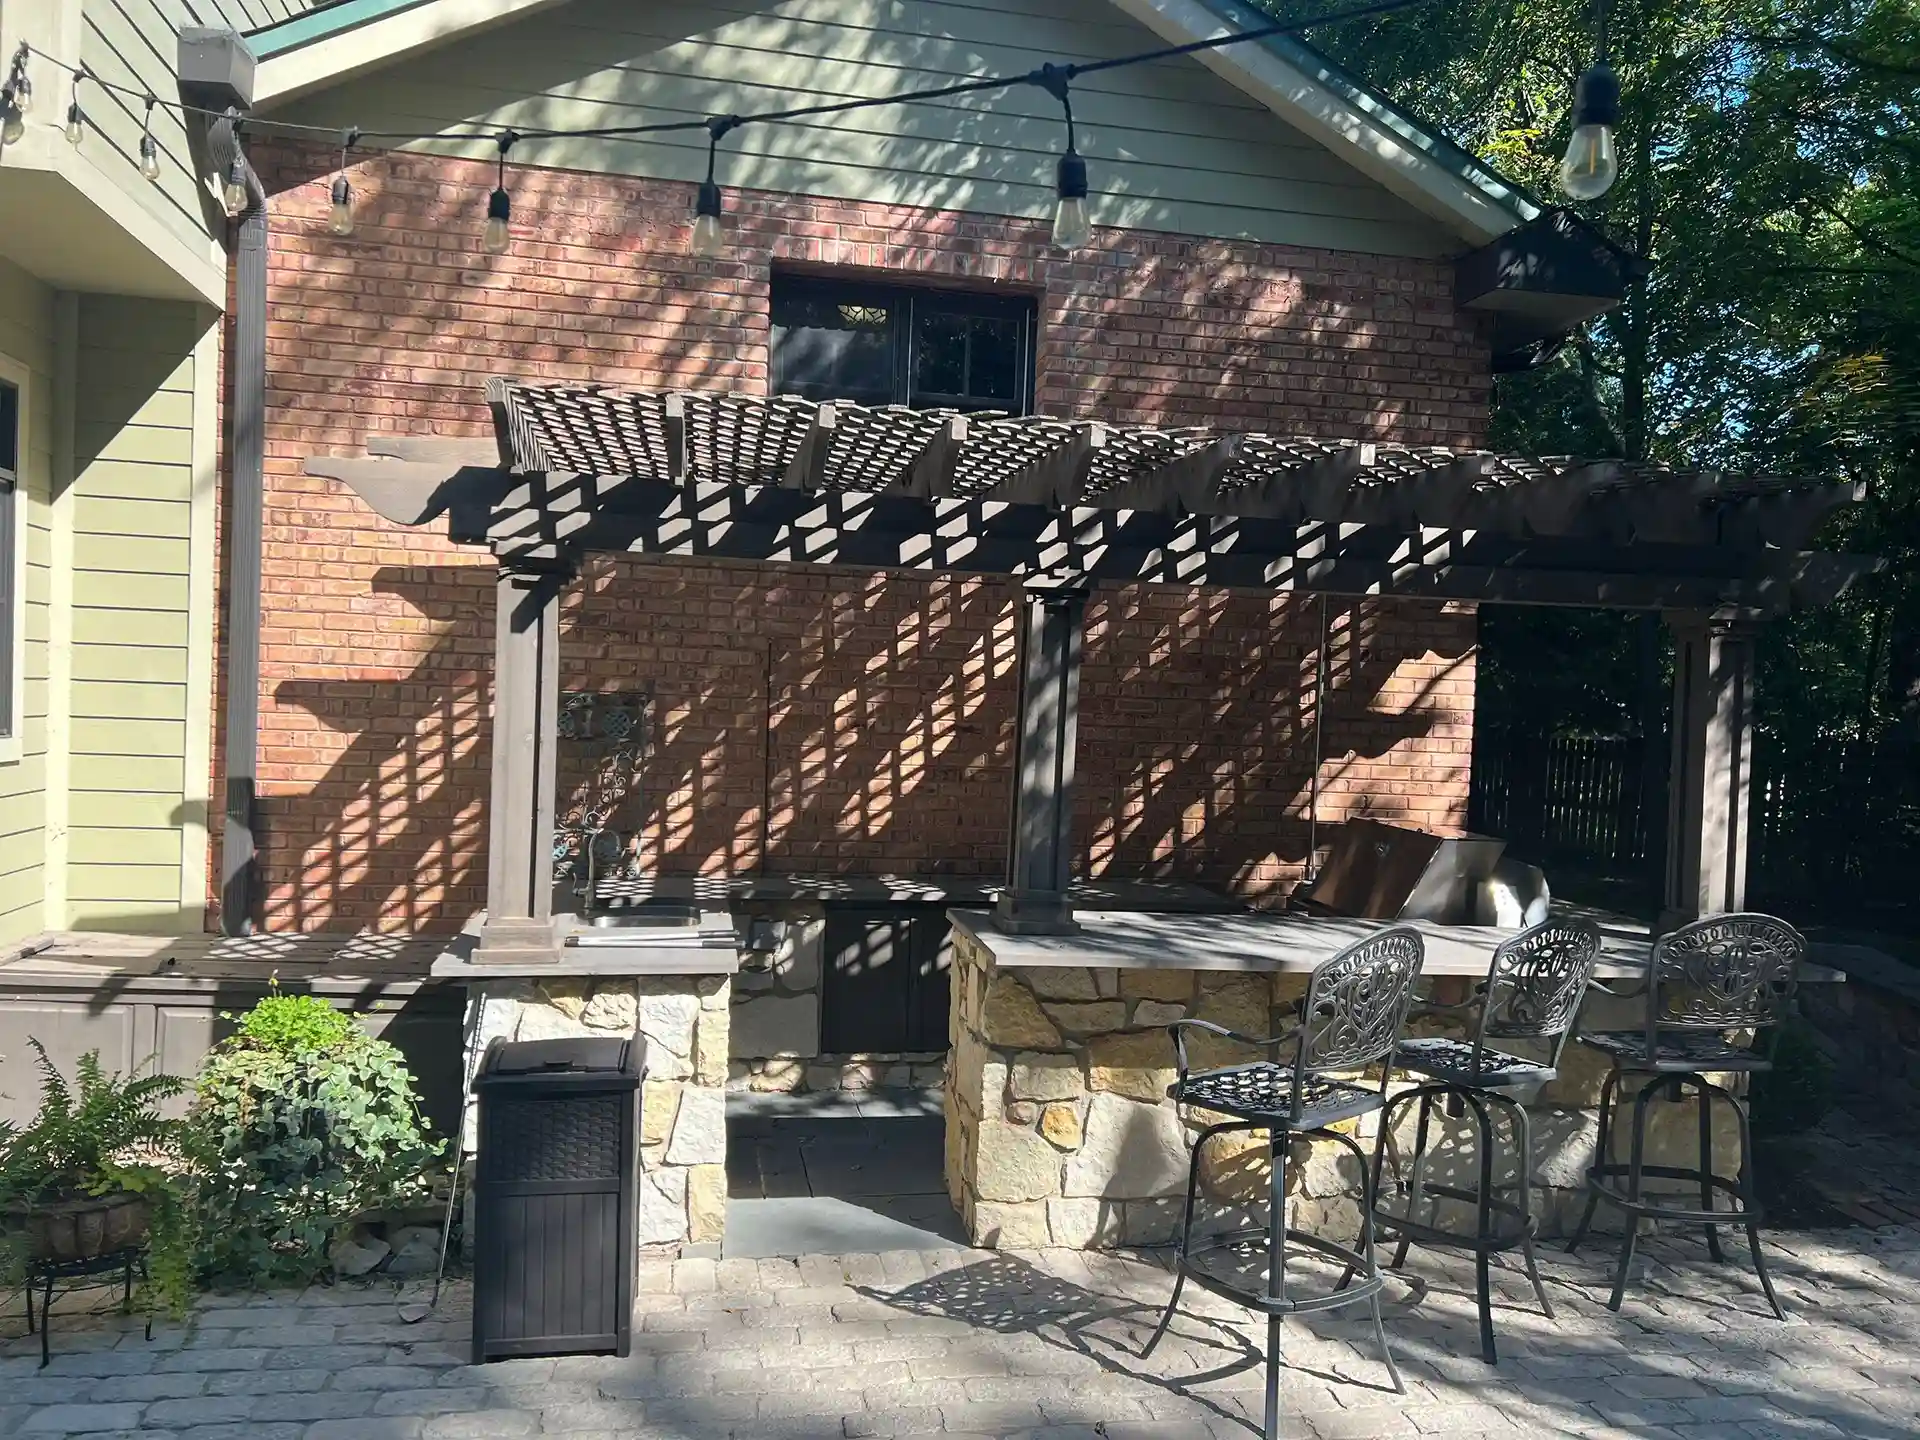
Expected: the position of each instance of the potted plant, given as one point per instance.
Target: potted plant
(96, 1172)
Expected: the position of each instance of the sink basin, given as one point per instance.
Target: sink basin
(663, 915)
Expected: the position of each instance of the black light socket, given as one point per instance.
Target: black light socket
(1596, 98)
(1070, 180)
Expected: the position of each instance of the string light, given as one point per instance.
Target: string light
(149, 150)
(233, 195)
(1588, 169)
(340, 222)
(495, 237)
(76, 118)
(1071, 223)
(1071, 228)
(16, 98)
(709, 235)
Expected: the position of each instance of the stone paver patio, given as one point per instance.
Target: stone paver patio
(1032, 1345)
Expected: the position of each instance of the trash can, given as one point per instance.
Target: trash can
(553, 1192)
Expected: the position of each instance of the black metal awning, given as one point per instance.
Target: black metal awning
(585, 468)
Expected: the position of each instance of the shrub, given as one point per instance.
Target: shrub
(1797, 1093)
(102, 1136)
(301, 1122)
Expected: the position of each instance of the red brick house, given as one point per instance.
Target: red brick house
(1275, 249)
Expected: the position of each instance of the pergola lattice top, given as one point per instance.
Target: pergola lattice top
(586, 467)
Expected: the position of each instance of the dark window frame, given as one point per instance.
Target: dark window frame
(905, 306)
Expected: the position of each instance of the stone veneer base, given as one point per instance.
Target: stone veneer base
(1059, 1131)
(683, 1123)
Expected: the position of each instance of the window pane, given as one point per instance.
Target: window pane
(994, 371)
(940, 354)
(9, 429)
(832, 349)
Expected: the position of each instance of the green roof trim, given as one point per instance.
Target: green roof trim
(322, 23)
(1418, 134)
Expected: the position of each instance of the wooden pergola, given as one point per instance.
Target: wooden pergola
(1061, 505)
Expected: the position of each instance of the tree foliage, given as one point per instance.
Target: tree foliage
(1770, 174)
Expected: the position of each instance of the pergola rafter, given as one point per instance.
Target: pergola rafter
(1060, 505)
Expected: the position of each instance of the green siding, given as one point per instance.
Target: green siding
(131, 594)
(26, 338)
(1169, 146)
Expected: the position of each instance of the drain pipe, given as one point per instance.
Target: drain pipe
(247, 365)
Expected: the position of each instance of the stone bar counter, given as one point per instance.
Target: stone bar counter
(1059, 1131)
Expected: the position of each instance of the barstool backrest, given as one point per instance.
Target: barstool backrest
(1356, 1008)
(1535, 985)
(1726, 972)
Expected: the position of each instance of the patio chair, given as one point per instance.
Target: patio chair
(1353, 1015)
(1532, 991)
(1706, 980)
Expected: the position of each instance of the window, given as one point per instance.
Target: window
(9, 571)
(881, 345)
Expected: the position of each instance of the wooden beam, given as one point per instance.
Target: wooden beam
(407, 492)
(808, 468)
(1184, 485)
(931, 473)
(437, 449)
(1057, 480)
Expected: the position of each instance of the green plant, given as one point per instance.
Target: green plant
(103, 1136)
(291, 1023)
(1798, 1091)
(301, 1121)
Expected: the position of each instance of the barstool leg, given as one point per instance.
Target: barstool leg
(1750, 1202)
(1523, 1142)
(1369, 1195)
(1276, 1268)
(1601, 1155)
(1706, 1170)
(1483, 1225)
(1418, 1185)
(1186, 1245)
(1641, 1103)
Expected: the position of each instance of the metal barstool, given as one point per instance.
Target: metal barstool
(1725, 973)
(1353, 1015)
(1532, 992)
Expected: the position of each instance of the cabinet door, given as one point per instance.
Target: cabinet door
(869, 980)
(932, 981)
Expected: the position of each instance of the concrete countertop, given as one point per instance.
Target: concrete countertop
(1274, 941)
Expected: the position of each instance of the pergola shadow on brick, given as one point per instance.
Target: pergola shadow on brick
(1061, 505)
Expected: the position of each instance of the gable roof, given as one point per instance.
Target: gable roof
(1304, 88)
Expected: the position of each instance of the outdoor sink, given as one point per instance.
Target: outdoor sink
(650, 916)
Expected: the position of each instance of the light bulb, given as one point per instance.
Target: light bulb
(341, 221)
(1587, 172)
(13, 126)
(23, 94)
(1588, 169)
(496, 236)
(76, 124)
(709, 235)
(1071, 230)
(149, 158)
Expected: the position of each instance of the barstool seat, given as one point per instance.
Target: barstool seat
(1533, 991)
(1707, 981)
(1354, 1014)
(1440, 1057)
(1264, 1090)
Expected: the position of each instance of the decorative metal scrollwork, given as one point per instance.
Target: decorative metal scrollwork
(602, 739)
(1357, 1002)
(1726, 971)
(1536, 980)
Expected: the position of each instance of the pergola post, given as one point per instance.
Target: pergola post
(1040, 842)
(1712, 765)
(526, 704)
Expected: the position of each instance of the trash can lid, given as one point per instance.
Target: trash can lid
(580, 1056)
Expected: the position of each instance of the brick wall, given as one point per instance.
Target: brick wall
(812, 719)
